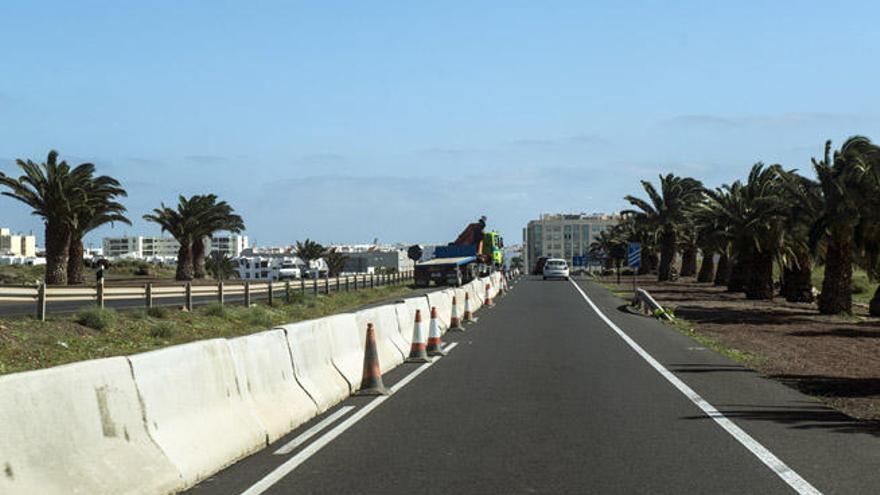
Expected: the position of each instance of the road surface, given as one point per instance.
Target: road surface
(548, 394)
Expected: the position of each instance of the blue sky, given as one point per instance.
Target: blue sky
(347, 121)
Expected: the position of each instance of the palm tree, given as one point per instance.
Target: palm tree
(52, 190)
(309, 250)
(754, 212)
(182, 224)
(220, 266)
(666, 213)
(98, 207)
(844, 178)
(804, 199)
(214, 216)
(335, 262)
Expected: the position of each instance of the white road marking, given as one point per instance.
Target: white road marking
(303, 455)
(787, 474)
(314, 430)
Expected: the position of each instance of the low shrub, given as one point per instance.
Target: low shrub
(162, 330)
(159, 312)
(97, 318)
(260, 316)
(215, 309)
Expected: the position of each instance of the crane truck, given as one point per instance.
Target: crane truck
(475, 253)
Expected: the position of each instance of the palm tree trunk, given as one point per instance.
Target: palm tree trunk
(75, 269)
(198, 258)
(874, 307)
(57, 245)
(707, 269)
(184, 263)
(689, 261)
(736, 282)
(667, 254)
(759, 281)
(722, 273)
(645, 260)
(836, 296)
(798, 280)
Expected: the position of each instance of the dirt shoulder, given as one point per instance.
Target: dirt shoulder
(836, 359)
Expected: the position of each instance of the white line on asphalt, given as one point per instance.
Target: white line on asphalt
(303, 455)
(787, 474)
(306, 435)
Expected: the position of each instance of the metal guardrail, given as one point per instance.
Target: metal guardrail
(644, 301)
(40, 295)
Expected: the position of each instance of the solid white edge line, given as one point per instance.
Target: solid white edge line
(303, 455)
(787, 474)
(314, 430)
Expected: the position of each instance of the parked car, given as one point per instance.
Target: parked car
(556, 268)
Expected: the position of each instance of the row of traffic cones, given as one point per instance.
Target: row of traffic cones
(421, 349)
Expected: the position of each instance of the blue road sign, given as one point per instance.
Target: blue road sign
(634, 254)
(577, 261)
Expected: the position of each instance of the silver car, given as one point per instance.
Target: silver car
(556, 268)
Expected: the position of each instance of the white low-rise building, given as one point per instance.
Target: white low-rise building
(270, 267)
(17, 244)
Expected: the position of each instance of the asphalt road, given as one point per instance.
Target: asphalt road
(542, 395)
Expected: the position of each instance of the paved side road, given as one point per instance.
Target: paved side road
(542, 395)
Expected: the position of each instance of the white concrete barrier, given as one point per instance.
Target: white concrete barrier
(195, 408)
(473, 288)
(442, 300)
(347, 347)
(266, 373)
(459, 300)
(392, 348)
(406, 317)
(312, 351)
(78, 428)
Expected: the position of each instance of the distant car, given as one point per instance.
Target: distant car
(539, 266)
(556, 268)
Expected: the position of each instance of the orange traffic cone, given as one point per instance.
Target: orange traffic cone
(488, 302)
(418, 350)
(435, 345)
(468, 315)
(371, 383)
(454, 320)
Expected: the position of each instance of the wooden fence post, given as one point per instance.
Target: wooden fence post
(271, 294)
(372, 280)
(327, 284)
(287, 294)
(41, 301)
(337, 283)
(315, 285)
(302, 285)
(247, 294)
(188, 296)
(148, 295)
(99, 293)
(220, 292)
(347, 283)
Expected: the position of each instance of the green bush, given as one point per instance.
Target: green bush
(160, 312)
(215, 309)
(97, 318)
(162, 330)
(260, 316)
(859, 287)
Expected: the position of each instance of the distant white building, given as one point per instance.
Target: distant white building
(566, 236)
(17, 244)
(140, 247)
(270, 267)
(231, 245)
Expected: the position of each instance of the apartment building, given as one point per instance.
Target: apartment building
(17, 244)
(140, 247)
(566, 236)
(230, 245)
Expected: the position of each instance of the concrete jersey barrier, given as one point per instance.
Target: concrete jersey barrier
(195, 408)
(473, 289)
(442, 300)
(312, 352)
(265, 371)
(406, 316)
(392, 348)
(78, 428)
(347, 347)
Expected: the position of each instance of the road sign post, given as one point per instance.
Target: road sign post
(634, 259)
